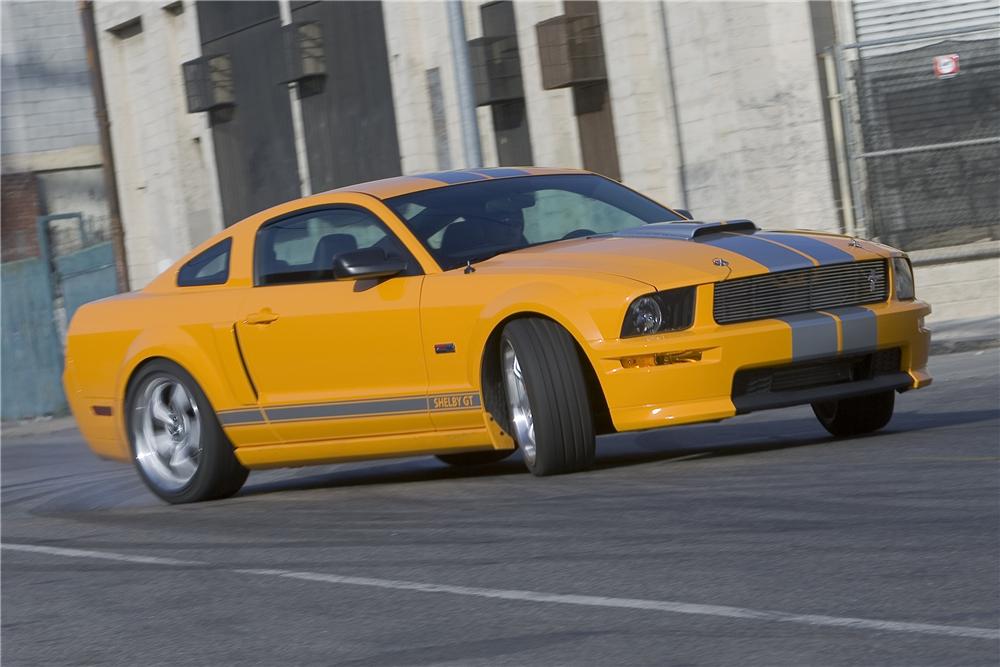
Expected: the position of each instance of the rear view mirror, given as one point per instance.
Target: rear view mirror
(366, 263)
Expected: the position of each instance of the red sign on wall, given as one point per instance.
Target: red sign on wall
(946, 67)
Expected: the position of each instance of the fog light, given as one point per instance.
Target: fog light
(663, 359)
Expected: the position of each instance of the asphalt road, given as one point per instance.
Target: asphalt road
(756, 541)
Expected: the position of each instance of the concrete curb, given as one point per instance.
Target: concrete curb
(15, 431)
(962, 345)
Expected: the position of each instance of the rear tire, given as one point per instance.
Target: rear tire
(469, 459)
(855, 416)
(546, 393)
(177, 444)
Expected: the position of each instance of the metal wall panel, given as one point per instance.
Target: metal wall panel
(32, 359)
(218, 18)
(592, 104)
(254, 142)
(348, 116)
(885, 19)
(510, 118)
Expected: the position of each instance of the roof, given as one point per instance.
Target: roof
(402, 185)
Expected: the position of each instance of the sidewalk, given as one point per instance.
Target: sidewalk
(947, 337)
(32, 428)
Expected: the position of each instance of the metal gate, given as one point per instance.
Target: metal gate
(40, 296)
(83, 266)
(921, 124)
(32, 351)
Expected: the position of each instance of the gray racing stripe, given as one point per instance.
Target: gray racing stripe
(352, 409)
(814, 335)
(453, 177)
(499, 172)
(771, 255)
(823, 252)
(240, 417)
(858, 327)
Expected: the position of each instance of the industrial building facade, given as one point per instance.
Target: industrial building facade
(715, 107)
(220, 109)
(877, 118)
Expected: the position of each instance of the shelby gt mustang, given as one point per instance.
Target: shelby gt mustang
(467, 314)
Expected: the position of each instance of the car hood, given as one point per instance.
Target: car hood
(664, 256)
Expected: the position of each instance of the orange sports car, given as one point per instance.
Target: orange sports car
(467, 314)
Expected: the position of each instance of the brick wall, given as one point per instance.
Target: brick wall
(18, 216)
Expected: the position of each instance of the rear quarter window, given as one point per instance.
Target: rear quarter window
(210, 267)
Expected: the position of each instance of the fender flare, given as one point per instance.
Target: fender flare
(185, 351)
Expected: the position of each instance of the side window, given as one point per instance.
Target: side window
(211, 267)
(302, 248)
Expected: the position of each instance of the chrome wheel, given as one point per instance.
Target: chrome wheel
(166, 431)
(522, 421)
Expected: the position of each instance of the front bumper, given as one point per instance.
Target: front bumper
(692, 377)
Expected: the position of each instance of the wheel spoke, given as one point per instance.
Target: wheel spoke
(163, 444)
(159, 410)
(182, 462)
(522, 421)
(167, 432)
(179, 400)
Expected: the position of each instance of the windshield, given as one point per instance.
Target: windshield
(472, 222)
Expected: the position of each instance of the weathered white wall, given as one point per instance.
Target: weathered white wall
(165, 166)
(417, 39)
(643, 110)
(555, 139)
(959, 289)
(46, 103)
(751, 116)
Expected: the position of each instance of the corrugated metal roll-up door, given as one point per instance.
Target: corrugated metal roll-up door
(888, 19)
(925, 79)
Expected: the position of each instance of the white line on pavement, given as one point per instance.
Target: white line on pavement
(554, 598)
(105, 555)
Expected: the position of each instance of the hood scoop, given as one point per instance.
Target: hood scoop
(688, 231)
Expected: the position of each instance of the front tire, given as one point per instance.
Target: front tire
(547, 404)
(177, 444)
(856, 416)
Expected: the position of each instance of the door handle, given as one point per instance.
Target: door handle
(265, 316)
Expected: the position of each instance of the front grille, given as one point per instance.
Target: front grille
(796, 377)
(800, 291)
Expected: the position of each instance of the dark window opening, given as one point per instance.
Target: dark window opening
(211, 267)
(302, 248)
(472, 222)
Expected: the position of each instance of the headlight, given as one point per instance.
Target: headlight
(902, 274)
(661, 311)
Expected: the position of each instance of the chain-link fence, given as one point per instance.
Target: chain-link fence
(923, 138)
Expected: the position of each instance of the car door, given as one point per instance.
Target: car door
(332, 358)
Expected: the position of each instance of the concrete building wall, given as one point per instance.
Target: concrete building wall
(555, 138)
(418, 40)
(751, 143)
(165, 166)
(642, 105)
(751, 115)
(960, 289)
(46, 103)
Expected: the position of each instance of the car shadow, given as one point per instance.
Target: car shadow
(682, 444)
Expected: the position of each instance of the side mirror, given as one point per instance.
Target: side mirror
(686, 213)
(366, 263)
